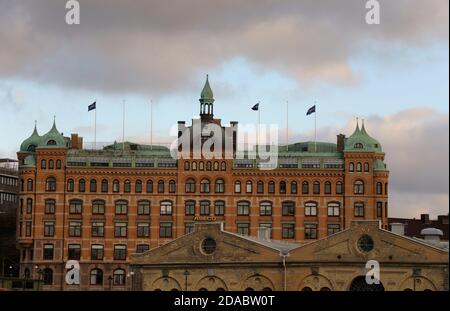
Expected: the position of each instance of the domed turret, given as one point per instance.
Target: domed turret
(30, 144)
(361, 141)
(206, 101)
(53, 139)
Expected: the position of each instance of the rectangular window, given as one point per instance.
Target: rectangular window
(49, 228)
(333, 228)
(379, 209)
(121, 207)
(75, 207)
(74, 251)
(288, 208)
(333, 209)
(219, 208)
(310, 209)
(120, 252)
(288, 231)
(310, 231)
(120, 229)
(188, 227)
(142, 248)
(204, 208)
(144, 208)
(243, 208)
(267, 226)
(359, 209)
(189, 208)
(165, 230)
(48, 252)
(97, 252)
(243, 228)
(29, 205)
(50, 206)
(143, 230)
(265, 209)
(74, 229)
(166, 208)
(98, 207)
(98, 229)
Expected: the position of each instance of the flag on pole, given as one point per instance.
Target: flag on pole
(311, 110)
(255, 107)
(92, 106)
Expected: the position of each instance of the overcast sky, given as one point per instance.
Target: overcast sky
(395, 75)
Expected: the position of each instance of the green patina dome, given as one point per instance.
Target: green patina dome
(53, 139)
(31, 142)
(361, 141)
(30, 160)
(207, 94)
(378, 165)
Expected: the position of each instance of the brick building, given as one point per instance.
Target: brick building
(413, 227)
(100, 206)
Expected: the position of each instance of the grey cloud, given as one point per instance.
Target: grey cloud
(156, 46)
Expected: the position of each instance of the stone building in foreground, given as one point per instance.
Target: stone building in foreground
(213, 259)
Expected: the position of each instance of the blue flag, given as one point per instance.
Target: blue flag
(92, 106)
(255, 107)
(311, 110)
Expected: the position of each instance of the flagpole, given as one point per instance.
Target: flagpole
(259, 122)
(315, 126)
(95, 126)
(151, 124)
(287, 125)
(123, 126)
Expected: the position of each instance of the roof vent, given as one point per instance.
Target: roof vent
(431, 234)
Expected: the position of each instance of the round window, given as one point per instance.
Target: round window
(209, 246)
(365, 243)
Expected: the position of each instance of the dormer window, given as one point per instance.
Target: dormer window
(358, 146)
(31, 148)
(51, 142)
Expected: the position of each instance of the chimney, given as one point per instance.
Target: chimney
(264, 233)
(425, 218)
(398, 228)
(432, 234)
(340, 142)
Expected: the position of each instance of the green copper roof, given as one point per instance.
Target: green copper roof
(30, 161)
(53, 139)
(361, 141)
(378, 165)
(207, 94)
(31, 142)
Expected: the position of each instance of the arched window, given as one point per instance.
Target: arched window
(333, 209)
(249, 186)
(260, 186)
(190, 185)
(50, 206)
(93, 186)
(310, 209)
(205, 208)
(172, 186)
(119, 277)
(104, 186)
(81, 185)
(50, 184)
(358, 167)
(358, 187)
(75, 206)
(47, 275)
(194, 166)
(219, 186)
(30, 184)
(305, 187)
(43, 164)
(216, 166)
(121, 207)
(339, 187)
(138, 186)
(29, 205)
(51, 164)
(161, 186)
(385, 188)
(265, 208)
(58, 164)
(366, 167)
(379, 189)
(208, 165)
(282, 187)
(327, 187)
(149, 186)
(51, 142)
(98, 207)
(316, 187)
(201, 166)
(96, 276)
(70, 185)
(116, 185)
(294, 187)
(204, 186)
(271, 187)
(237, 186)
(127, 186)
(358, 146)
(351, 167)
(166, 208)
(186, 165)
(223, 166)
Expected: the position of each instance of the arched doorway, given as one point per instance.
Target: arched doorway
(359, 284)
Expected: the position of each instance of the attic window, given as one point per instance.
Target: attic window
(365, 243)
(376, 145)
(358, 146)
(51, 142)
(31, 148)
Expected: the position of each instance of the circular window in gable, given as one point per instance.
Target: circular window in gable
(209, 246)
(365, 243)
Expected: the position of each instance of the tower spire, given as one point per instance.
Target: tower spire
(206, 100)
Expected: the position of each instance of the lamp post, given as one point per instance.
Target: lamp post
(186, 274)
